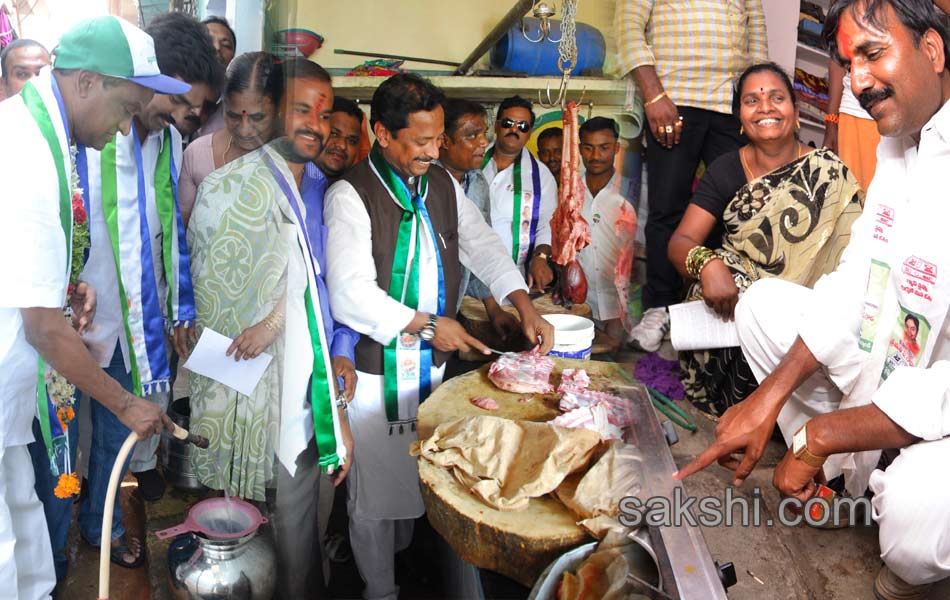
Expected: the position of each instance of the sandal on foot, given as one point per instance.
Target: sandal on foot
(119, 549)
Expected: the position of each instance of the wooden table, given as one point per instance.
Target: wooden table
(516, 544)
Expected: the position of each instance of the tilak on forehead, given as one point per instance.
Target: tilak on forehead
(844, 43)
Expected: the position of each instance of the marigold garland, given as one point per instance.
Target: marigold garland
(68, 485)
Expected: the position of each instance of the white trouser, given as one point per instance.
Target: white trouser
(912, 509)
(26, 559)
(767, 321)
(375, 544)
(912, 497)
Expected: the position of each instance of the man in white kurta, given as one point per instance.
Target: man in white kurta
(36, 237)
(608, 260)
(520, 185)
(842, 372)
(362, 211)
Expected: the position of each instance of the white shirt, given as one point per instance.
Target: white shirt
(903, 225)
(357, 300)
(100, 269)
(502, 189)
(600, 257)
(33, 270)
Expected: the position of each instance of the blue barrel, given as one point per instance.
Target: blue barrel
(515, 53)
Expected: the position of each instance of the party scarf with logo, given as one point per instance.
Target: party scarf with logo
(524, 224)
(125, 206)
(407, 360)
(326, 420)
(46, 412)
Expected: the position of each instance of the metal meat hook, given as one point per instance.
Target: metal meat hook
(543, 13)
(561, 100)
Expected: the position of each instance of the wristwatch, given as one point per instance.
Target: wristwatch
(800, 448)
(427, 333)
(341, 401)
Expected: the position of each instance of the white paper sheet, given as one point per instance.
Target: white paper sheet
(208, 358)
(695, 326)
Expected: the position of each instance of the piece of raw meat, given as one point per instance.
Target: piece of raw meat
(595, 417)
(484, 402)
(573, 380)
(619, 412)
(522, 373)
(569, 230)
(572, 283)
(626, 229)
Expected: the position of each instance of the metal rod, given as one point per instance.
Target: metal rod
(517, 12)
(397, 57)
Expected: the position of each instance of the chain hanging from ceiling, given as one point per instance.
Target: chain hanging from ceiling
(567, 54)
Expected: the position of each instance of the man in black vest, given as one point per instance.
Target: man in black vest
(399, 233)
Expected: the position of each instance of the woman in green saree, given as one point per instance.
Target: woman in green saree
(782, 209)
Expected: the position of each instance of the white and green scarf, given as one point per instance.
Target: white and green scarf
(125, 206)
(407, 359)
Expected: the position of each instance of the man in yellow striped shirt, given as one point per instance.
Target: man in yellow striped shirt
(684, 56)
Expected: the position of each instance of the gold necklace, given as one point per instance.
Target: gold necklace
(748, 169)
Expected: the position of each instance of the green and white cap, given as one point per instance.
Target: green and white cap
(114, 47)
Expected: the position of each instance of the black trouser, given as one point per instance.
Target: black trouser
(706, 135)
(295, 526)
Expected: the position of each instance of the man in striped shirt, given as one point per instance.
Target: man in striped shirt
(685, 58)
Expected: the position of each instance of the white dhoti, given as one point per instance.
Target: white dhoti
(383, 495)
(912, 509)
(26, 558)
(767, 319)
(912, 497)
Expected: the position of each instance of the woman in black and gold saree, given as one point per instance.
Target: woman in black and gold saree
(783, 210)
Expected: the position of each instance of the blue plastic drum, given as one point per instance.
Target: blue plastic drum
(515, 53)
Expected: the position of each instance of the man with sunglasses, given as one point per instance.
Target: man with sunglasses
(461, 153)
(139, 263)
(523, 192)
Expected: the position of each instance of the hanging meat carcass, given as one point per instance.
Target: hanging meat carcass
(569, 230)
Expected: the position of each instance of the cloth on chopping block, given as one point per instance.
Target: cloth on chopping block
(505, 462)
(595, 496)
(603, 574)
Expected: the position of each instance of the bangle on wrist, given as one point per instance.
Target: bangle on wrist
(697, 258)
(274, 321)
(655, 99)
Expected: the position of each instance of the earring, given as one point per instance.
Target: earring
(798, 123)
(741, 130)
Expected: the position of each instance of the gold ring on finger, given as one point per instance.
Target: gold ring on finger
(669, 129)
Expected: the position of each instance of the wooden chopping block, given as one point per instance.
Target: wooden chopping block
(516, 544)
(476, 323)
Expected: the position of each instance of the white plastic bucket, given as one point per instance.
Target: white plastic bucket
(573, 336)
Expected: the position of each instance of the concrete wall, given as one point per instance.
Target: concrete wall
(446, 30)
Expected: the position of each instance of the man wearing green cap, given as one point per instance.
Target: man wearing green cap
(139, 264)
(84, 101)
